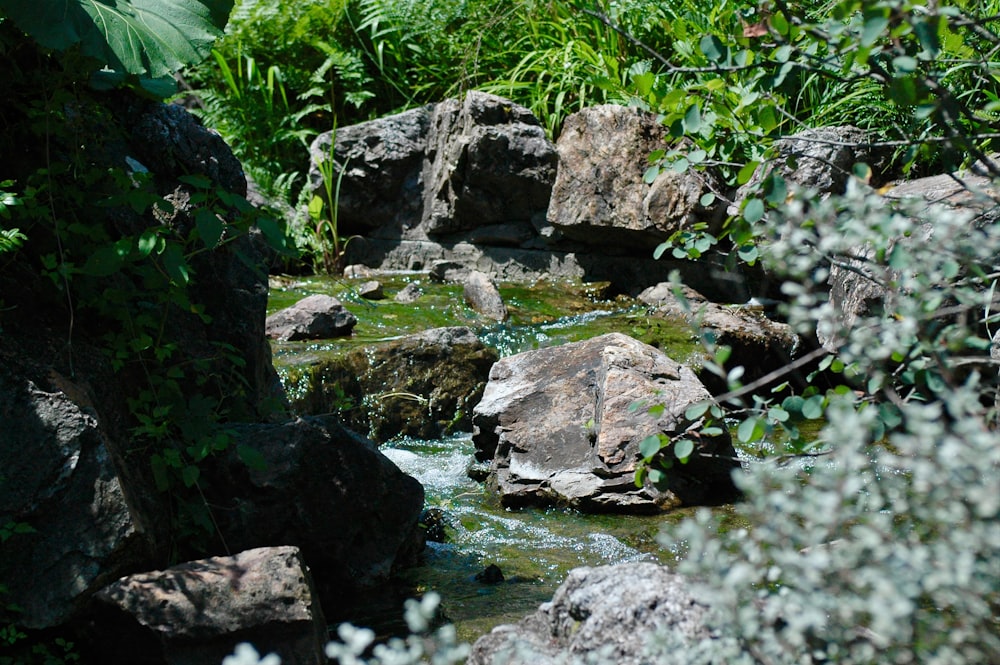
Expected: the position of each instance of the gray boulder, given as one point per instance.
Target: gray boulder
(609, 611)
(58, 481)
(481, 294)
(382, 161)
(488, 162)
(558, 427)
(317, 316)
(201, 609)
(318, 486)
(599, 196)
(421, 385)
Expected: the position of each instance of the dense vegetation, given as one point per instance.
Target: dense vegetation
(875, 543)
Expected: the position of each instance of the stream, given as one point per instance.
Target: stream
(534, 548)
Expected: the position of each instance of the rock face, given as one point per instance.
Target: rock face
(482, 295)
(487, 162)
(57, 479)
(441, 170)
(470, 182)
(314, 317)
(557, 426)
(758, 344)
(600, 197)
(325, 490)
(201, 609)
(382, 161)
(612, 610)
(422, 385)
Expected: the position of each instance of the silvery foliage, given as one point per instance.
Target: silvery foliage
(439, 647)
(885, 546)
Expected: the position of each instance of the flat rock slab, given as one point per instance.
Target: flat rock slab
(560, 428)
(202, 609)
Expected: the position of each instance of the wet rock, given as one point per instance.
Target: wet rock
(314, 317)
(559, 429)
(421, 385)
(600, 197)
(611, 610)
(409, 293)
(434, 522)
(371, 290)
(490, 575)
(481, 294)
(449, 271)
(201, 609)
(357, 270)
(758, 344)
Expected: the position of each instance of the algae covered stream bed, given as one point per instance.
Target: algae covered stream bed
(534, 548)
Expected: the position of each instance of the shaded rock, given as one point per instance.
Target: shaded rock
(201, 609)
(610, 610)
(758, 344)
(488, 162)
(968, 190)
(491, 574)
(317, 316)
(371, 290)
(421, 385)
(600, 198)
(409, 293)
(481, 294)
(557, 425)
(382, 160)
(325, 490)
(449, 271)
(59, 481)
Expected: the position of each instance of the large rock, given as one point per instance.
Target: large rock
(57, 479)
(611, 611)
(323, 489)
(488, 162)
(758, 344)
(558, 427)
(201, 610)
(317, 316)
(599, 196)
(421, 385)
(481, 162)
(382, 160)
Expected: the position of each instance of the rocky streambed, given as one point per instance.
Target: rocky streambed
(492, 564)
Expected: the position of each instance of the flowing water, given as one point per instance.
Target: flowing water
(533, 548)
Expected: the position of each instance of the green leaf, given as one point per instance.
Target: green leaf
(105, 260)
(743, 177)
(746, 432)
(875, 25)
(147, 242)
(190, 475)
(812, 408)
(660, 249)
(713, 48)
(210, 227)
(683, 449)
(316, 204)
(696, 411)
(692, 119)
(707, 199)
(175, 264)
(649, 446)
(142, 37)
(753, 211)
(251, 457)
